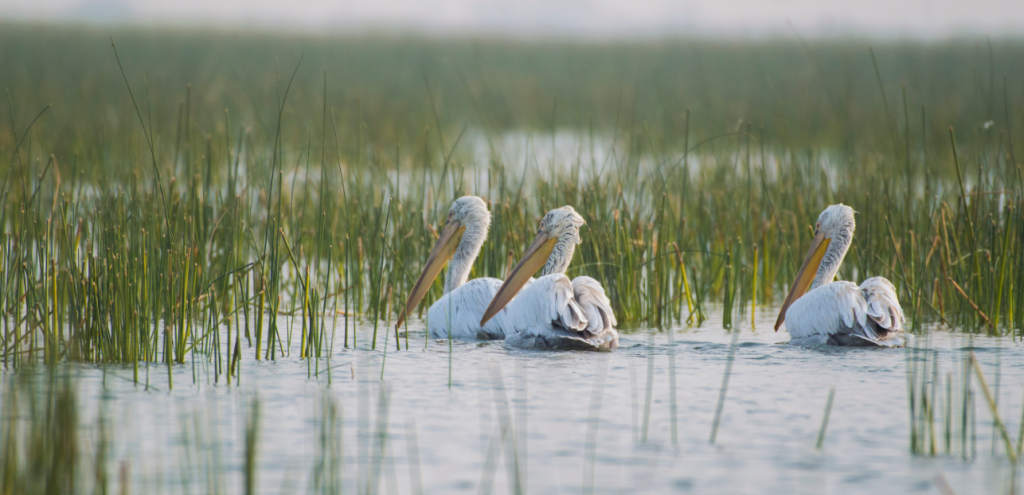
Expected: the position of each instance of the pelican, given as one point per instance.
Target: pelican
(553, 312)
(457, 313)
(820, 311)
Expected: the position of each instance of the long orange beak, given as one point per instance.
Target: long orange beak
(443, 251)
(534, 259)
(804, 277)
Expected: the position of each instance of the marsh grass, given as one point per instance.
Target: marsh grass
(824, 418)
(943, 406)
(162, 213)
(49, 454)
(47, 446)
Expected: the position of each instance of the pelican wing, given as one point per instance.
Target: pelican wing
(598, 308)
(841, 313)
(883, 308)
(458, 312)
(547, 315)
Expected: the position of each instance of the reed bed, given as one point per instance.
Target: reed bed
(47, 446)
(172, 212)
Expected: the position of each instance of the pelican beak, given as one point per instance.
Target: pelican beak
(535, 258)
(805, 276)
(443, 251)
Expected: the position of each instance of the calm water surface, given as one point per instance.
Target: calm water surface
(558, 422)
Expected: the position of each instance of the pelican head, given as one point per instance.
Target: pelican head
(833, 234)
(552, 249)
(465, 230)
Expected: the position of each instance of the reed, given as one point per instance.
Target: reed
(824, 418)
(725, 386)
(230, 222)
(648, 390)
(252, 429)
(593, 420)
(941, 399)
(47, 453)
(48, 445)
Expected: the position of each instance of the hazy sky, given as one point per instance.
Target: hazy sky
(900, 18)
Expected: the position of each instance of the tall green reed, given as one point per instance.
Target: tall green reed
(231, 223)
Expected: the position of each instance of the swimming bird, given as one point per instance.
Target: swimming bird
(820, 311)
(457, 314)
(553, 312)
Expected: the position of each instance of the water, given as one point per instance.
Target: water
(571, 421)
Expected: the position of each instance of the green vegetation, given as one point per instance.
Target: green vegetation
(944, 400)
(200, 196)
(46, 447)
(47, 453)
(175, 198)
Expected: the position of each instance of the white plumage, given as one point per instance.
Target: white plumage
(553, 312)
(841, 313)
(596, 305)
(460, 310)
(820, 311)
(549, 313)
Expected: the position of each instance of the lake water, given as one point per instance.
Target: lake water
(547, 422)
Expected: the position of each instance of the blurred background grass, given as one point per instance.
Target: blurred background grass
(819, 94)
(257, 190)
(250, 174)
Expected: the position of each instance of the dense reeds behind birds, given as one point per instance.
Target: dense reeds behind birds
(156, 212)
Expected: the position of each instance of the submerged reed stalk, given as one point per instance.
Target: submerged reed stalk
(824, 418)
(725, 386)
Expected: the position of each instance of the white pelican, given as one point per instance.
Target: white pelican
(839, 313)
(457, 313)
(553, 312)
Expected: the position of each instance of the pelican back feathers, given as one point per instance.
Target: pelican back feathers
(842, 313)
(547, 314)
(598, 308)
(457, 313)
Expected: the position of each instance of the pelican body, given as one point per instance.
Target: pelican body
(553, 312)
(820, 311)
(457, 314)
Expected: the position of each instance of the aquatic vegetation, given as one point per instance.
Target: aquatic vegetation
(200, 200)
(49, 453)
(144, 223)
(46, 447)
(943, 400)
